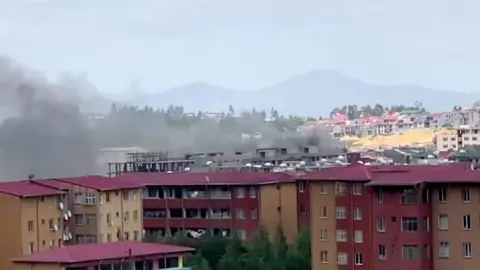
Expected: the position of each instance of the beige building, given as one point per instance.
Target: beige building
(453, 139)
(32, 220)
(104, 209)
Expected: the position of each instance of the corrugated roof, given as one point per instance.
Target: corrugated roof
(203, 178)
(98, 252)
(350, 173)
(26, 189)
(53, 184)
(101, 183)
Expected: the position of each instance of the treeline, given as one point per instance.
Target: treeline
(355, 111)
(221, 253)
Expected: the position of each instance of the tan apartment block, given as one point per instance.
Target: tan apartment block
(32, 220)
(322, 225)
(105, 209)
(456, 227)
(278, 209)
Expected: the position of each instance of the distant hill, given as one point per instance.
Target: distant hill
(312, 93)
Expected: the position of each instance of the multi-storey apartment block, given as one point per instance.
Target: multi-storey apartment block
(102, 210)
(220, 203)
(32, 220)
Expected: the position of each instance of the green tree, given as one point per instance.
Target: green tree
(198, 262)
(231, 258)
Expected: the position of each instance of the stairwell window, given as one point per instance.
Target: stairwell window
(442, 195)
(381, 224)
(323, 235)
(466, 224)
(357, 213)
(467, 250)
(340, 189)
(410, 252)
(324, 256)
(323, 211)
(465, 195)
(358, 236)
(380, 198)
(240, 192)
(301, 186)
(442, 222)
(409, 196)
(443, 250)
(382, 252)
(341, 236)
(409, 224)
(358, 259)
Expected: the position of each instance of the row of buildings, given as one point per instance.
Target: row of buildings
(359, 217)
(339, 125)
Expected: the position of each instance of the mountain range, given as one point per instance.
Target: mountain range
(313, 93)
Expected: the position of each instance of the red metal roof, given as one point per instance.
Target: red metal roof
(53, 184)
(26, 189)
(204, 178)
(384, 175)
(98, 252)
(101, 183)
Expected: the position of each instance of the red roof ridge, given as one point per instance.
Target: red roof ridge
(27, 188)
(100, 183)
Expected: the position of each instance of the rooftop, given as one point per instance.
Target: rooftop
(100, 183)
(27, 189)
(98, 252)
(204, 178)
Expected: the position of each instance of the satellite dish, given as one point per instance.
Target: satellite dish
(338, 162)
(187, 169)
(208, 163)
(70, 236)
(323, 160)
(248, 165)
(302, 163)
(341, 158)
(360, 162)
(368, 163)
(283, 165)
(257, 166)
(60, 205)
(224, 233)
(169, 172)
(317, 164)
(144, 232)
(65, 216)
(194, 194)
(430, 156)
(65, 237)
(267, 164)
(69, 213)
(55, 227)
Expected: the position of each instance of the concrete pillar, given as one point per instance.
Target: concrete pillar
(155, 264)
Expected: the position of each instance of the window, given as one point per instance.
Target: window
(109, 237)
(381, 224)
(382, 252)
(358, 259)
(410, 252)
(79, 220)
(78, 198)
(358, 236)
(409, 224)
(357, 189)
(442, 195)
(465, 195)
(466, 223)
(380, 196)
(324, 256)
(323, 188)
(303, 209)
(341, 235)
(409, 196)
(467, 250)
(125, 195)
(126, 217)
(426, 224)
(31, 247)
(253, 192)
(135, 236)
(91, 219)
(301, 186)
(109, 218)
(442, 222)
(135, 215)
(342, 258)
(340, 212)
(107, 197)
(323, 212)
(340, 189)
(240, 192)
(240, 214)
(357, 213)
(90, 198)
(242, 234)
(443, 250)
(30, 226)
(254, 213)
(323, 234)
(126, 236)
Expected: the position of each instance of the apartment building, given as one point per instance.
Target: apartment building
(218, 203)
(457, 138)
(103, 210)
(32, 220)
(335, 204)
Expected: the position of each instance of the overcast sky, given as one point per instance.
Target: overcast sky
(246, 44)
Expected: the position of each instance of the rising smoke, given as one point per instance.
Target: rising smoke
(44, 132)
